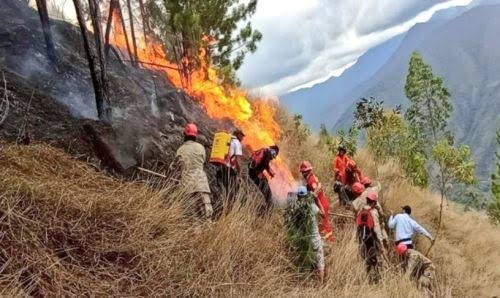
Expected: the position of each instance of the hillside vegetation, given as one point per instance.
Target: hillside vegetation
(69, 230)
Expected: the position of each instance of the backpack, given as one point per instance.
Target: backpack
(257, 158)
(220, 147)
(365, 224)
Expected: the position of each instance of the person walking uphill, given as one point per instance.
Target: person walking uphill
(344, 168)
(301, 220)
(193, 177)
(314, 186)
(370, 236)
(406, 227)
(260, 161)
(229, 171)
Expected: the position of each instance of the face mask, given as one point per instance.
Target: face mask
(273, 153)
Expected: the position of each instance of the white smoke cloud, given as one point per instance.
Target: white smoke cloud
(309, 41)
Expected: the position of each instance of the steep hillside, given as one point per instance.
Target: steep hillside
(68, 230)
(315, 103)
(465, 52)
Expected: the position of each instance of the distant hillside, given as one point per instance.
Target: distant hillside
(313, 103)
(465, 51)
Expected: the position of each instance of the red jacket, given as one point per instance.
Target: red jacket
(312, 184)
(321, 200)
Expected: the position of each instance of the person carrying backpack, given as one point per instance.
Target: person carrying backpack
(301, 221)
(260, 162)
(370, 235)
(228, 166)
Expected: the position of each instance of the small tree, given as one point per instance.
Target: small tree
(349, 139)
(494, 206)
(430, 109)
(388, 136)
(326, 140)
(430, 102)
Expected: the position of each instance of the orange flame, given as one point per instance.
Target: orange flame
(255, 118)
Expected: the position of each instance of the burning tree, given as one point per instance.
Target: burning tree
(186, 26)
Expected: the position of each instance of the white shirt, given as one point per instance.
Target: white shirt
(406, 227)
(235, 149)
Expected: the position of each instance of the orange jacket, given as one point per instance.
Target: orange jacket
(339, 168)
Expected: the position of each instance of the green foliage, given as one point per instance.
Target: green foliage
(349, 140)
(299, 222)
(456, 164)
(388, 136)
(186, 26)
(326, 140)
(494, 206)
(430, 101)
(301, 131)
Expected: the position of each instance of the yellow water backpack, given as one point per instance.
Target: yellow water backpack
(220, 147)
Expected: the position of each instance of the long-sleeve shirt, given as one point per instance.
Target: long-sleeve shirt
(406, 227)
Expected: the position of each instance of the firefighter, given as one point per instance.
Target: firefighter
(340, 165)
(193, 177)
(346, 173)
(229, 173)
(260, 162)
(316, 240)
(416, 266)
(315, 187)
(370, 236)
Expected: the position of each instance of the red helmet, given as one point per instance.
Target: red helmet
(305, 166)
(352, 165)
(366, 181)
(357, 188)
(191, 130)
(401, 249)
(372, 197)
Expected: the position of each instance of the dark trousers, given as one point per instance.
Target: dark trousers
(264, 188)
(228, 184)
(369, 251)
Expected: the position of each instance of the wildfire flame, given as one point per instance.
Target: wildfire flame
(255, 118)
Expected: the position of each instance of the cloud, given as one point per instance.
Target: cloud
(308, 41)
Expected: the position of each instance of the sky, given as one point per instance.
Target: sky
(308, 41)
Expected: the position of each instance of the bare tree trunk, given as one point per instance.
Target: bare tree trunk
(95, 15)
(145, 21)
(119, 10)
(132, 31)
(44, 19)
(112, 7)
(100, 96)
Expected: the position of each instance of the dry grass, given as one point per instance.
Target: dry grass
(68, 230)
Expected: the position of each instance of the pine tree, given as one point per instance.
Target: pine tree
(186, 26)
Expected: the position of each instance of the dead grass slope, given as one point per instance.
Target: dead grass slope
(68, 230)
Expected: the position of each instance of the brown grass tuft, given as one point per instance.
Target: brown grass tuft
(68, 230)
